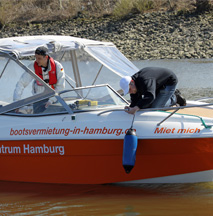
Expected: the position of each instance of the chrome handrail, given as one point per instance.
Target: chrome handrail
(159, 109)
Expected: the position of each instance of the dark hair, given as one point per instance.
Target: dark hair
(41, 51)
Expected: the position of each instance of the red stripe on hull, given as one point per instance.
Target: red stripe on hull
(100, 161)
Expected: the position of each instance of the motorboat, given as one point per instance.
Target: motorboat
(80, 138)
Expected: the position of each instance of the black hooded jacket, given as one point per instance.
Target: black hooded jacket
(149, 81)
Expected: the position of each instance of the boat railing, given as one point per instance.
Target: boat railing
(167, 109)
(204, 99)
(163, 108)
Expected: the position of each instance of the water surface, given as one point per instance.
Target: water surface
(126, 200)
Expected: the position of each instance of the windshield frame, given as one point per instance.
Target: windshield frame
(67, 107)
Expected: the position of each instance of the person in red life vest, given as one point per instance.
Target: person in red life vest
(51, 71)
(151, 87)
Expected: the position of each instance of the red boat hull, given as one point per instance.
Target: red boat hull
(100, 161)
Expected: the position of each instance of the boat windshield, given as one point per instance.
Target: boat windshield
(76, 100)
(94, 97)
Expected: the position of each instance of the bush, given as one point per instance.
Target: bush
(126, 7)
(5, 12)
(123, 8)
(203, 5)
(97, 8)
(143, 5)
(45, 10)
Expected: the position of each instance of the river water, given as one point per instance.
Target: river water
(129, 200)
(195, 81)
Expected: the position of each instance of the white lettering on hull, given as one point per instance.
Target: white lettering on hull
(30, 149)
(27, 149)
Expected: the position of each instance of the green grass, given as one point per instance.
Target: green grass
(125, 7)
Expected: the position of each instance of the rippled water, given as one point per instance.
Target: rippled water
(128, 200)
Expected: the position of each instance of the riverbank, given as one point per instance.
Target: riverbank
(160, 35)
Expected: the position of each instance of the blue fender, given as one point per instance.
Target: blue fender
(129, 150)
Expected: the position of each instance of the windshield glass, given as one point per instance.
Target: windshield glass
(79, 99)
(92, 98)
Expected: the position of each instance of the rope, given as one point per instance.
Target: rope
(132, 121)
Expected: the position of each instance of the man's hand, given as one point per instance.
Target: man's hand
(47, 104)
(131, 110)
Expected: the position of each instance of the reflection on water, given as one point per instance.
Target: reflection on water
(125, 200)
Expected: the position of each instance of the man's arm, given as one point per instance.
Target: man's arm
(149, 95)
(23, 82)
(60, 85)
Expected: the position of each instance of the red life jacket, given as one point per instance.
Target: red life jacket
(52, 73)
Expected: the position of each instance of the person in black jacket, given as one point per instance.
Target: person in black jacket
(152, 87)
